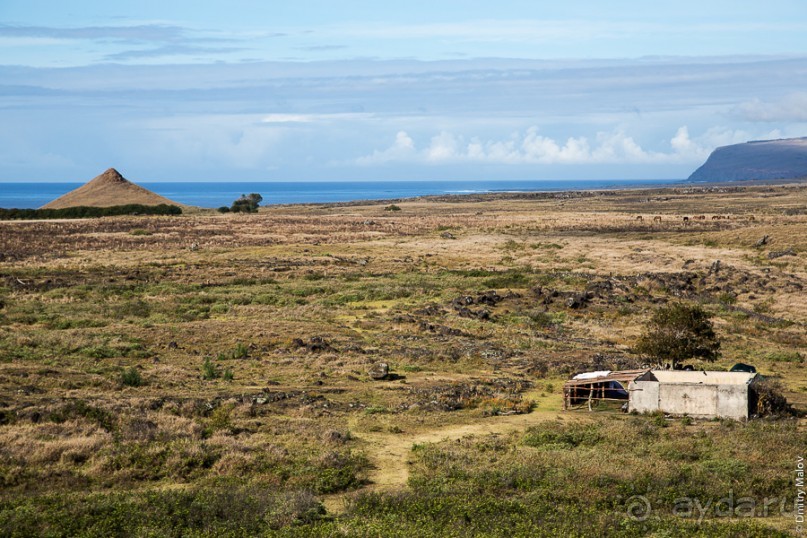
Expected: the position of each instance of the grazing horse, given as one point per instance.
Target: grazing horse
(700, 217)
(656, 219)
(752, 218)
(639, 218)
(715, 217)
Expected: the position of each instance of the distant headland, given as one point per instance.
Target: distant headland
(761, 160)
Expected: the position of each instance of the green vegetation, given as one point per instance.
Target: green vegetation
(210, 370)
(554, 479)
(85, 212)
(152, 389)
(247, 203)
(679, 332)
(131, 377)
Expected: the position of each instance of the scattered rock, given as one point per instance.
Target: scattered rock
(430, 310)
(463, 300)
(447, 235)
(490, 298)
(779, 253)
(334, 437)
(315, 344)
(440, 329)
(379, 371)
(578, 300)
(763, 241)
(483, 315)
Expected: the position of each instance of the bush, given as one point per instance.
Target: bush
(552, 435)
(209, 370)
(131, 377)
(248, 203)
(392, 207)
(679, 332)
(770, 399)
(83, 212)
(240, 352)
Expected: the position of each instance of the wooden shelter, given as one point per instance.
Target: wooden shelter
(602, 386)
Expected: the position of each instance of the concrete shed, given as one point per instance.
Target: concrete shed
(698, 394)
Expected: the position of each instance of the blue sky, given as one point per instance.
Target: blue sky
(176, 90)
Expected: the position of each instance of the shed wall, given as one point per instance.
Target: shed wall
(732, 401)
(643, 396)
(695, 400)
(692, 400)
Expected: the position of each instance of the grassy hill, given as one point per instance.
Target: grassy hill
(106, 190)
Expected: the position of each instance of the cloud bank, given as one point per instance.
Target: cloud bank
(532, 148)
(403, 119)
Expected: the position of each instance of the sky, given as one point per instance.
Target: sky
(308, 90)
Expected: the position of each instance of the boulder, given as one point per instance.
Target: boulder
(379, 371)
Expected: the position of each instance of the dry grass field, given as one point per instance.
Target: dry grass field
(208, 374)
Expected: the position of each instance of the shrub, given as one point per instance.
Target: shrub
(770, 399)
(248, 203)
(83, 212)
(392, 207)
(240, 352)
(209, 370)
(679, 332)
(131, 377)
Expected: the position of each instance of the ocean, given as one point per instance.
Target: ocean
(216, 194)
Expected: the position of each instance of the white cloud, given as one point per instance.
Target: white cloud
(237, 141)
(403, 149)
(791, 108)
(530, 147)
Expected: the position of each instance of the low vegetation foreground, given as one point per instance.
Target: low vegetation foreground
(351, 370)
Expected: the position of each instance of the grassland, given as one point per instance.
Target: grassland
(208, 374)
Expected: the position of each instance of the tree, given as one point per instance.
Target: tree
(247, 203)
(678, 332)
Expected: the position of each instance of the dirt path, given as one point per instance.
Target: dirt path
(389, 453)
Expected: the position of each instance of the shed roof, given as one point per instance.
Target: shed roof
(621, 376)
(698, 377)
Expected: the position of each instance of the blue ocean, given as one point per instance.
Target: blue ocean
(216, 194)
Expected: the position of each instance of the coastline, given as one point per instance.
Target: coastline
(567, 191)
(683, 187)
